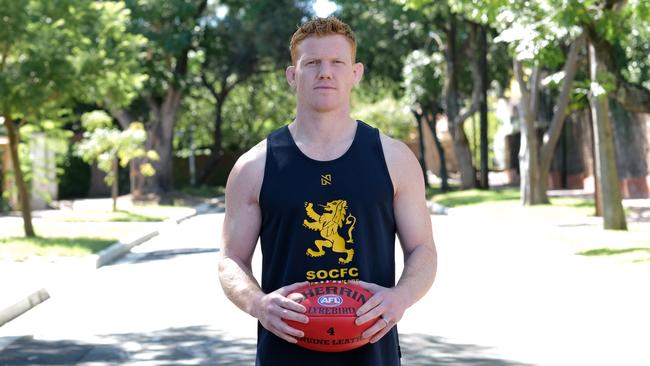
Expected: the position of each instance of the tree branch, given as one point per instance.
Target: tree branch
(632, 97)
(555, 129)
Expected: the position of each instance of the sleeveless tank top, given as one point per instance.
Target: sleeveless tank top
(326, 220)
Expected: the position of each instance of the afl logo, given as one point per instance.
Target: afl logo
(330, 300)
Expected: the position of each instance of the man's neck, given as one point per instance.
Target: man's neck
(323, 128)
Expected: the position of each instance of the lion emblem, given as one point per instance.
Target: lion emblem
(328, 224)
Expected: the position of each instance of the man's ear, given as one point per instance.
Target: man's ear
(290, 73)
(357, 71)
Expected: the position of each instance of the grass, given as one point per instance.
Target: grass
(117, 216)
(457, 198)
(610, 251)
(20, 248)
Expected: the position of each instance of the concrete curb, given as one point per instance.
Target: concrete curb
(95, 261)
(21, 306)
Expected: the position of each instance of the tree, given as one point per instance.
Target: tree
(619, 35)
(606, 170)
(423, 80)
(171, 30)
(536, 34)
(249, 40)
(50, 53)
(111, 148)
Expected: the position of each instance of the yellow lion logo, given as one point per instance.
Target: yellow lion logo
(328, 224)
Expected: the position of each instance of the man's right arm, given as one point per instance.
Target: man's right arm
(240, 232)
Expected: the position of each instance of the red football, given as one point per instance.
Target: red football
(331, 308)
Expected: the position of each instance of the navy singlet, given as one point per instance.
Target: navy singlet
(326, 220)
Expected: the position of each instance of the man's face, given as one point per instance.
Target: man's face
(324, 73)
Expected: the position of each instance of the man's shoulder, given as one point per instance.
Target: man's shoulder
(255, 156)
(403, 166)
(248, 171)
(395, 150)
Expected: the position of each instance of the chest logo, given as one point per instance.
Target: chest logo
(328, 224)
(326, 179)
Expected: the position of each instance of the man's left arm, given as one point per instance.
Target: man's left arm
(414, 230)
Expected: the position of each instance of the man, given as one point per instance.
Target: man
(326, 196)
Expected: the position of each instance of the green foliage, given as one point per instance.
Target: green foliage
(168, 28)
(386, 34)
(107, 146)
(256, 108)
(423, 80)
(253, 109)
(388, 114)
(53, 51)
(472, 131)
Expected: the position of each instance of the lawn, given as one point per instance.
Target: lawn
(80, 232)
(20, 248)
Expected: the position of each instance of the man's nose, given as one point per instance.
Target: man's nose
(325, 71)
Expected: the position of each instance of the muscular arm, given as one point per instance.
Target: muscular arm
(416, 237)
(240, 232)
(241, 228)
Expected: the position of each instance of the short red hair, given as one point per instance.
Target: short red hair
(320, 27)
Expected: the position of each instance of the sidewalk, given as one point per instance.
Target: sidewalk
(24, 285)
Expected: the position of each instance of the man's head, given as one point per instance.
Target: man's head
(324, 71)
(320, 27)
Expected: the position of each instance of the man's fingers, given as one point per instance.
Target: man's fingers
(372, 303)
(291, 331)
(372, 314)
(377, 327)
(292, 315)
(380, 334)
(286, 290)
(285, 337)
(292, 305)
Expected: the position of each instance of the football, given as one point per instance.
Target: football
(331, 309)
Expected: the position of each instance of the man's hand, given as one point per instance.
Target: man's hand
(387, 304)
(272, 308)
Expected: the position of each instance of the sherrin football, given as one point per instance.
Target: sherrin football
(331, 309)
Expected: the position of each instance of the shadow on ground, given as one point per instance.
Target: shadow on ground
(170, 347)
(200, 345)
(134, 258)
(426, 350)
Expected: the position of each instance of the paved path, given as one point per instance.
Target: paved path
(496, 301)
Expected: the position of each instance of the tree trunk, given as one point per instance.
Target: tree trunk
(484, 182)
(422, 157)
(461, 146)
(160, 131)
(160, 135)
(606, 169)
(529, 169)
(444, 175)
(215, 151)
(23, 194)
(552, 136)
(124, 118)
(115, 185)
